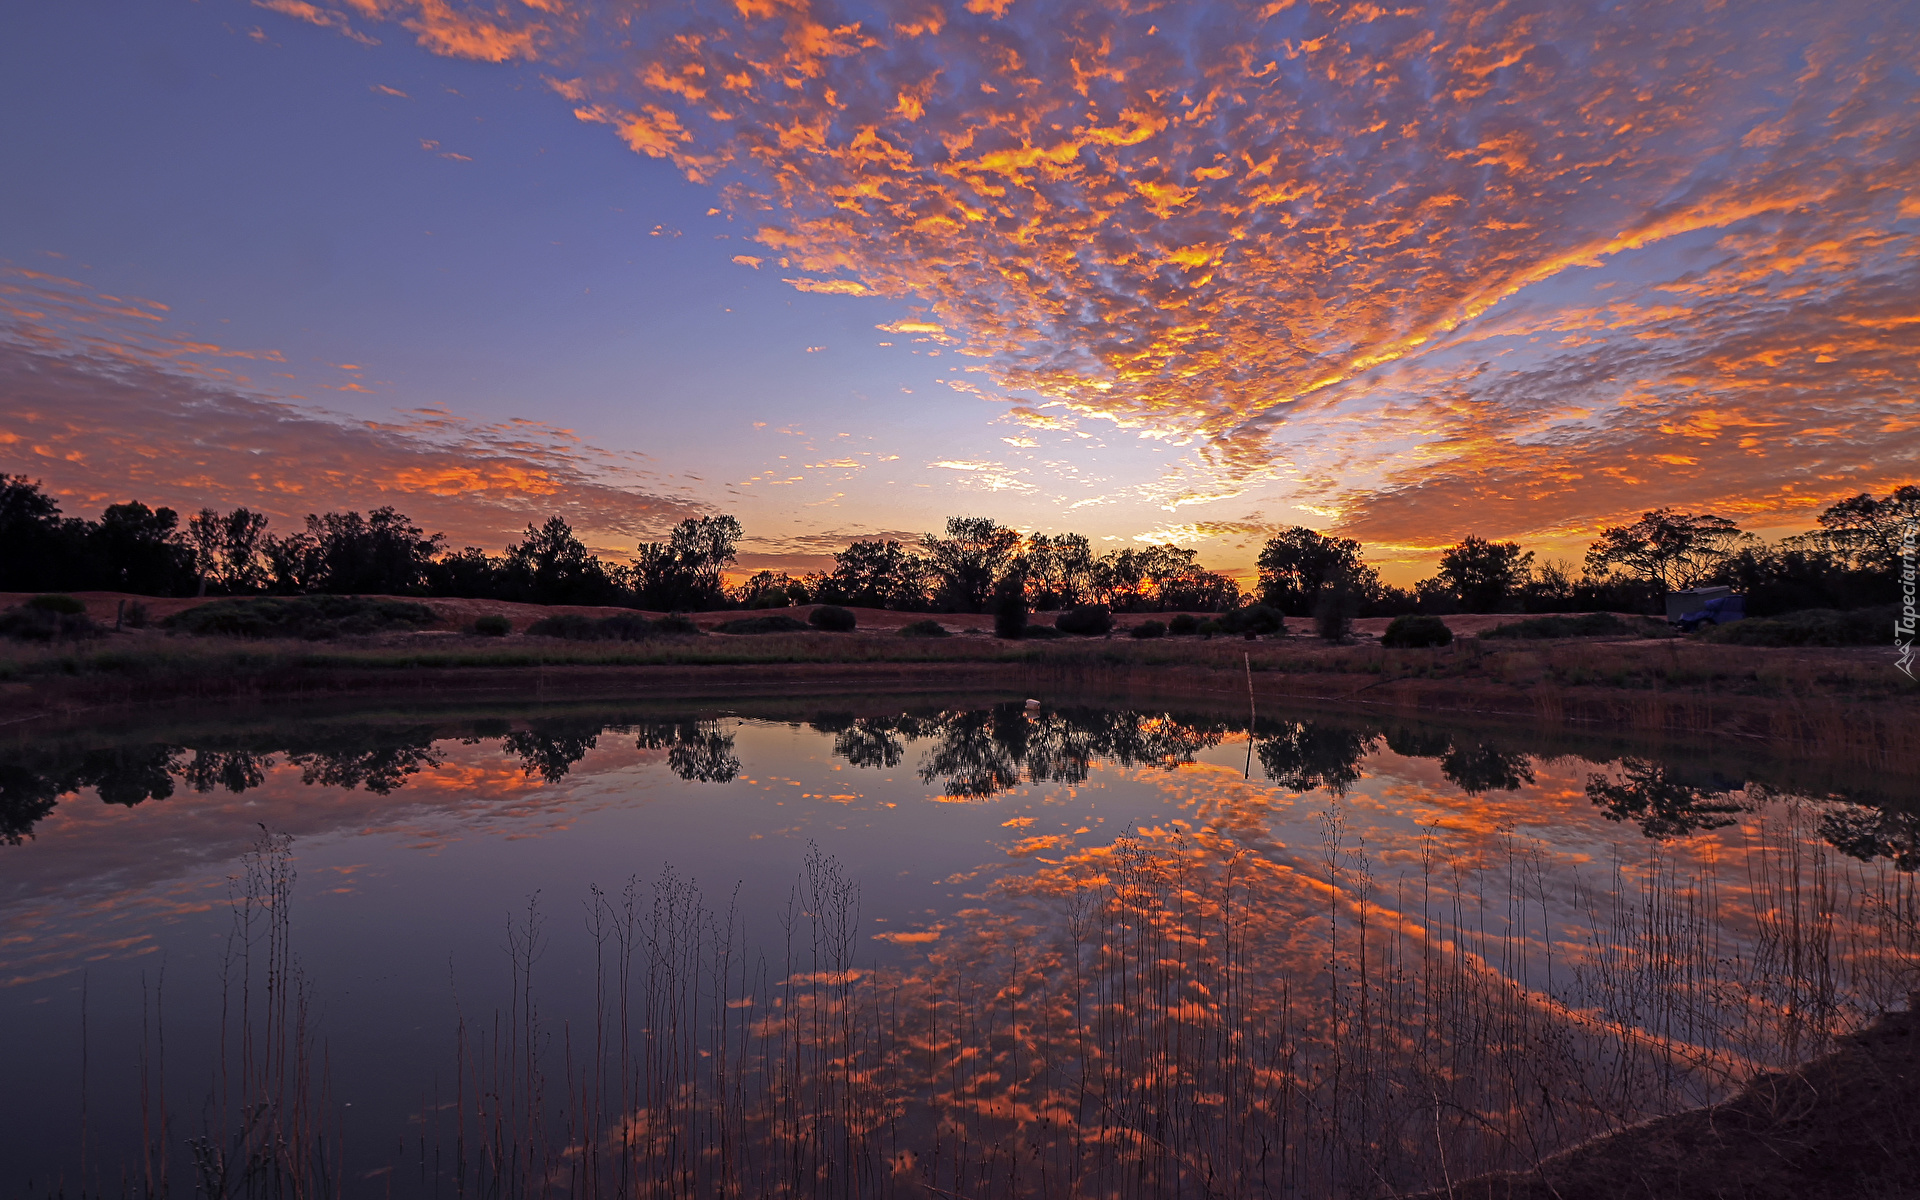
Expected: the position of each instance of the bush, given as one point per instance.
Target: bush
(1148, 629)
(774, 598)
(137, 616)
(1412, 632)
(1089, 620)
(59, 606)
(762, 625)
(620, 627)
(1183, 624)
(27, 623)
(832, 618)
(1253, 620)
(312, 617)
(928, 629)
(1210, 629)
(1588, 625)
(1811, 627)
(492, 625)
(677, 625)
(1010, 613)
(1041, 632)
(1333, 612)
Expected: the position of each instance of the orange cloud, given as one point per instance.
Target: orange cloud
(113, 409)
(1267, 232)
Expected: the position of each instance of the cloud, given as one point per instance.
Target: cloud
(1272, 228)
(104, 407)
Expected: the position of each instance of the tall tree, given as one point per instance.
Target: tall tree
(552, 566)
(1060, 570)
(227, 549)
(880, 575)
(970, 560)
(1296, 564)
(684, 572)
(37, 550)
(1866, 534)
(383, 554)
(1671, 549)
(139, 549)
(1484, 574)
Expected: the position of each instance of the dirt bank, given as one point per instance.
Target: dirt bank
(1842, 1127)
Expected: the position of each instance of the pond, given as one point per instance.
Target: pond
(917, 946)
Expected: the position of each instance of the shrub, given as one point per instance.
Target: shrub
(137, 616)
(59, 606)
(1089, 620)
(779, 624)
(1811, 627)
(1210, 629)
(492, 625)
(620, 627)
(1253, 620)
(311, 617)
(928, 628)
(1587, 625)
(1042, 632)
(29, 624)
(571, 626)
(1412, 632)
(1333, 613)
(774, 598)
(1010, 613)
(1148, 629)
(832, 618)
(1183, 624)
(677, 625)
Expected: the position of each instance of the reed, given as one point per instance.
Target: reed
(1172, 1015)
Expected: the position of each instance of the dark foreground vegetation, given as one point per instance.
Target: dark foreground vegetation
(1850, 560)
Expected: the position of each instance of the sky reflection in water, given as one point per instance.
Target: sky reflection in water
(976, 836)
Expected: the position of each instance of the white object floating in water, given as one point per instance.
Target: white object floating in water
(1033, 704)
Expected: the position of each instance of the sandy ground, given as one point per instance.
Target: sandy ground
(457, 614)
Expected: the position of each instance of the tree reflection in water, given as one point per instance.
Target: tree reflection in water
(966, 753)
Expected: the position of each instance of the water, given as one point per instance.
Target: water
(928, 943)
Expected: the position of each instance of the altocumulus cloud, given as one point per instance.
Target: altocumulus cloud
(101, 403)
(1284, 230)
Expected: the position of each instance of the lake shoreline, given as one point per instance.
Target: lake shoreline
(1839, 1126)
(1823, 702)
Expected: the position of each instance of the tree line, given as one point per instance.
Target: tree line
(1851, 559)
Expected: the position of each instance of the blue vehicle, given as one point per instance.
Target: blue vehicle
(1718, 611)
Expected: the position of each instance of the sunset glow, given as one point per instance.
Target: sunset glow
(1153, 273)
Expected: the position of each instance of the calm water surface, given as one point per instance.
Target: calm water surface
(978, 948)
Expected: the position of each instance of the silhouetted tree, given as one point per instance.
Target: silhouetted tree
(139, 549)
(549, 565)
(1297, 563)
(227, 550)
(880, 575)
(1673, 550)
(970, 560)
(381, 554)
(1485, 575)
(683, 573)
(37, 549)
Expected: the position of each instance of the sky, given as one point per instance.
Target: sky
(1151, 272)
